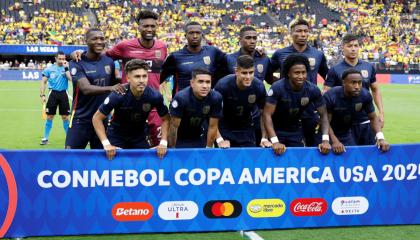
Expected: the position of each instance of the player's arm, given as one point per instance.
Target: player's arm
(173, 130)
(323, 67)
(377, 98)
(329, 81)
(265, 143)
(98, 124)
(325, 146)
(275, 66)
(212, 131)
(268, 111)
(162, 148)
(221, 142)
(380, 138)
(168, 68)
(88, 89)
(44, 81)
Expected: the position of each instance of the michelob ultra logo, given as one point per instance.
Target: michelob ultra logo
(132, 211)
(178, 210)
(264, 208)
(222, 209)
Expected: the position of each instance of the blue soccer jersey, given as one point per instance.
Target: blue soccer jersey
(261, 64)
(57, 79)
(291, 104)
(195, 113)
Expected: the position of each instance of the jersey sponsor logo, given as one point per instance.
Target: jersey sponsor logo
(222, 209)
(358, 107)
(174, 103)
(308, 207)
(132, 211)
(158, 54)
(107, 69)
(270, 92)
(252, 98)
(73, 71)
(356, 205)
(260, 68)
(207, 60)
(265, 208)
(312, 63)
(106, 100)
(178, 210)
(304, 101)
(146, 107)
(52, 75)
(365, 73)
(206, 109)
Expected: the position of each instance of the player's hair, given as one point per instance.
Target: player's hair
(193, 23)
(246, 29)
(146, 14)
(91, 30)
(135, 64)
(349, 37)
(198, 71)
(294, 59)
(245, 61)
(350, 71)
(60, 53)
(297, 22)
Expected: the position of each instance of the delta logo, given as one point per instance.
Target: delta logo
(266, 208)
(356, 205)
(303, 207)
(132, 211)
(178, 210)
(222, 209)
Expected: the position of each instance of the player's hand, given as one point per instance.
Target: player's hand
(260, 50)
(76, 55)
(383, 145)
(265, 143)
(118, 88)
(338, 147)
(65, 64)
(279, 148)
(381, 120)
(111, 151)
(161, 150)
(224, 144)
(324, 147)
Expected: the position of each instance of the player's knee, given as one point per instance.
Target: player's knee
(65, 117)
(50, 117)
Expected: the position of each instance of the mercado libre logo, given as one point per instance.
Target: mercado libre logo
(222, 209)
(265, 208)
(13, 196)
(132, 211)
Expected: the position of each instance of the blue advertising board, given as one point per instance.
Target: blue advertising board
(11, 49)
(74, 192)
(19, 75)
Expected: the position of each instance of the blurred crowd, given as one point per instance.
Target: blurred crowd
(390, 32)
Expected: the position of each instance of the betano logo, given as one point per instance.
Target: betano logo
(265, 208)
(308, 207)
(356, 205)
(132, 211)
(222, 209)
(178, 210)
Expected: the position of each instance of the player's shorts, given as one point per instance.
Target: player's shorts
(60, 99)
(346, 138)
(363, 134)
(191, 143)
(155, 124)
(80, 134)
(126, 140)
(310, 121)
(291, 139)
(239, 138)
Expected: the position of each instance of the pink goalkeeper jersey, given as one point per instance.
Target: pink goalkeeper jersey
(132, 49)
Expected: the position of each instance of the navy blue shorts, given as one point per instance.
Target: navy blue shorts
(346, 139)
(239, 138)
(80, 134)
(309, 126)
(363, 134)
(291, 139)
(190, 143)
(126, 140)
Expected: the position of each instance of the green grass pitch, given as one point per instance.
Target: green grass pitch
(22, 128)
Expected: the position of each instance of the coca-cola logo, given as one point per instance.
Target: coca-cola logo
(308, 207)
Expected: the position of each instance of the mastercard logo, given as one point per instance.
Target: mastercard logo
(222, 209)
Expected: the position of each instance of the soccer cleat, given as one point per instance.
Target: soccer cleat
(44, 141)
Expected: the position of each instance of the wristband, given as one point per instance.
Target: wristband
(163, 143)
(105, 142)
(325, 137)
(380, 136)
(264, 140)
(219, 140)
(66, 69)
(274, 139)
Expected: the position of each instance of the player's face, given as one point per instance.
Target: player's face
(201, 85)
(147, 28)
(244, 76)
(60, 59)
(300, 34)
(297, 75)
(351, 49)
(96, 42)
(249, 40)
(138, 80)
(353, 84)
(194, 35)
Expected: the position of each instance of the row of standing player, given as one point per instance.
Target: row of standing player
(181, 63)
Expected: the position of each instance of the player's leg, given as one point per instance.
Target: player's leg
(154, 123)
(309, 130)
(50, 110)
(78, 135)
(363, 134)
(64, 109)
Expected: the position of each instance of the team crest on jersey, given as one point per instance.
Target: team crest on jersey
(158, 54)
(108, 69)
(106, 101)
(304, 101)
(358, 107)
(365, 73)
(252, 98)
(52, 75)
(73, 71)
(206, 109)
(174, 103)
(260, 68)
(146, 107)
(312, 63)
(207, 60)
